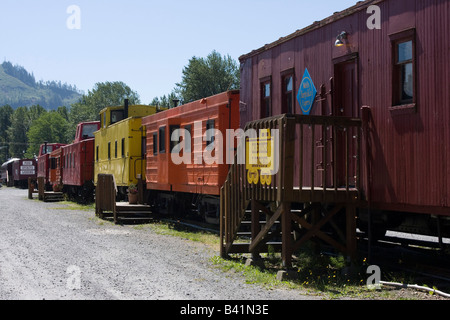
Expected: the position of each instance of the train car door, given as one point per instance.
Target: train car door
(346, 104)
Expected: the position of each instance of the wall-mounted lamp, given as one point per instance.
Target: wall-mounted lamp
(340, 39)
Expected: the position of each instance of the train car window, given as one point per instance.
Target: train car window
(175, 139)
(404, 77)
(109, 150)
(143, 146)
(115, 150)
(96, 153)
(288, 94)
(155, 143)
(187, 139)
(88, 131)
(266, 99)
(52, 163)
(123, 147)
(210, 137)
(404, 66)
(104, 119)
(162, 140)
(116, 116)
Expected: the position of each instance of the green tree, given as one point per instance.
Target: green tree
(21, 121)
(64, 112)
(50, 127)
(204, 77)
(105, 94)
(166, 101)
(17, 132)
(34, 112)
(5, 122)
(102, 95)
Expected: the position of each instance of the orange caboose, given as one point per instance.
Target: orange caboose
(189, 153)
(55, 170)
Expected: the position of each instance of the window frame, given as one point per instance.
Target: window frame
(174, 144)
(285, 107)
(265, 101)
(155, 143)
(120, 115)
(162, 139)
(210, 139)
(399, 104)
(188, 143)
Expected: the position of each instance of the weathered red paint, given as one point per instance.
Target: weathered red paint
(43, 161)
(405, 162)
(78, 157)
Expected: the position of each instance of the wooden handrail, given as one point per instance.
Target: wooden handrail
(301, 142)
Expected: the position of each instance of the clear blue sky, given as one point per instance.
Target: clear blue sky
(143, 43)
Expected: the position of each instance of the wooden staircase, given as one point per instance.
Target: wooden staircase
(43, 195)
(244, 237)
(105, 203)
(126, 212)
(314, 153)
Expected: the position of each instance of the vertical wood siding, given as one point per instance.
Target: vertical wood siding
(409, 152)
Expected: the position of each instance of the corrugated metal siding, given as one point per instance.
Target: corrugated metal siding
(409, 152)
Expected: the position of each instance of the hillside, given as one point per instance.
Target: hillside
(19, 88)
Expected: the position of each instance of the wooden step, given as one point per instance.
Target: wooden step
(125, 206)
(53, 196)
(131, 212)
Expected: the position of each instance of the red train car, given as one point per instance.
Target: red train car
(188, 167)
(43, 162)
(385, 62)
(22, 170)
(78, 161)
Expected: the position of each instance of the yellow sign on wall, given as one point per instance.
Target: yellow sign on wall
(259, 159)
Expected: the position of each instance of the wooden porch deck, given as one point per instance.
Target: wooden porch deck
(106, 205)
(318, 172)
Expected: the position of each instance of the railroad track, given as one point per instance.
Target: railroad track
(426, 260)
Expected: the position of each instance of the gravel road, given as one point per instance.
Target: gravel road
(50, 253)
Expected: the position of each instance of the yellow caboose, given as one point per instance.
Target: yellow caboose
(120, 144)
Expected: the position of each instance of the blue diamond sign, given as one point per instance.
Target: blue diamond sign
(306, 93)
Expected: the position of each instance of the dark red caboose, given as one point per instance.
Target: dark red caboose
(78, 161)
(22, 170)
(365, 93)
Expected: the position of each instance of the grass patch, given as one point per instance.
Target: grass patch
(185, 232)
(329, 277)
(252, 275)
(68, 205)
